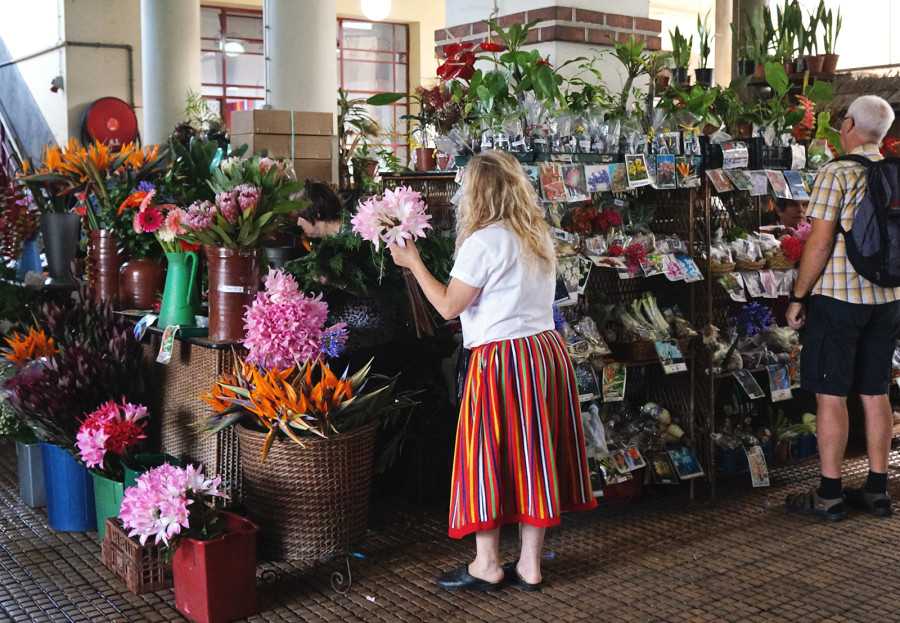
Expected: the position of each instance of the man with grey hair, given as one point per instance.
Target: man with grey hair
(850, 326)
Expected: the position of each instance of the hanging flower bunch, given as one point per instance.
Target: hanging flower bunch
(399, 216)
(163, 220)
(23, 348)
(18, 222)
(284, 326)
(170, 502)
(109, 434)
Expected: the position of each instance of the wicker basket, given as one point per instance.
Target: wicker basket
(312, 501)
(779, 261)
(643, 352)
(139, 566)
(745, 265)
(717, 268)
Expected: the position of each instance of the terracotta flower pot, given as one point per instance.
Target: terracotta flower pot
(141, 281)
(760, 73)
(814, 63)
(233, 284)
(425, 160)
(829, 64)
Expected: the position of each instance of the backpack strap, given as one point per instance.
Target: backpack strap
(857, 158)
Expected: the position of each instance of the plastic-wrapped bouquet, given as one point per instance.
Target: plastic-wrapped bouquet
(397, 217)
(109, 434)
(284, 326)
(169, 502)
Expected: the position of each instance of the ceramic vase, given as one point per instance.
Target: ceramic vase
(60, 232)
(233, 283)
(181, 300)
(140, 283)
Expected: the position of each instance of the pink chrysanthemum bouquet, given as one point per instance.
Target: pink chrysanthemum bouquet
(168, 502)
(109, 434)
(399, 216)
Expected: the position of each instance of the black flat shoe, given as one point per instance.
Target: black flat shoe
(511, 575)
(462, 580)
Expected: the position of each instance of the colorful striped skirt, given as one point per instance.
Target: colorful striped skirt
(519, 445)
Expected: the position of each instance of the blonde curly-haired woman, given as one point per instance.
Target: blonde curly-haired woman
(519, 454)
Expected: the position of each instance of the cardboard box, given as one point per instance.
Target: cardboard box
(281, 122)
(281, 146)
(317, 170)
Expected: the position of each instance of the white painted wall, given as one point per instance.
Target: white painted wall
(468, 11)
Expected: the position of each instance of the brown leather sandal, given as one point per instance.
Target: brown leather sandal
(809, 503)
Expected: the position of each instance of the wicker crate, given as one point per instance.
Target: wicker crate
(139, 566)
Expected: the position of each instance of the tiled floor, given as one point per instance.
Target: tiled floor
(663, 558)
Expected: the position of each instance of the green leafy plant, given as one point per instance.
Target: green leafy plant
(808, 36)
(681, 48)
(584, 94)
(754, 36)
(831, 24)
(704, 33)
(789, 21)
(631, 55)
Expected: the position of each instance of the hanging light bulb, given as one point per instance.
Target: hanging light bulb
(375, 10)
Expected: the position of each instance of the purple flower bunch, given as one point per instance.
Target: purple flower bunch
(285, 326)
(752, 319)
(168, 501)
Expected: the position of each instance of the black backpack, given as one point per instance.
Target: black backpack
(873, 240)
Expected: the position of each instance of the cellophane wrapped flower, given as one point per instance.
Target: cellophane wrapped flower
(168, 502)
(284, 326)
(108, 434)
(399, 216)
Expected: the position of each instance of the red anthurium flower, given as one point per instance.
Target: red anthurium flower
(543, 62)
(490, 46)
(186, 246)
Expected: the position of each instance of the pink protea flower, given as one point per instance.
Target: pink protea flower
(265, 164)
(227, 204)
(283, 324)
(247, 197)
(399, 216)
(199, 216)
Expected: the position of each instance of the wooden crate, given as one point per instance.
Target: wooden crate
(139, 566)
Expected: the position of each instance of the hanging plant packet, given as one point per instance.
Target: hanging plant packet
(662, 469)
(719, 181)
(769, 284)
(689, 267)
(614, 377)
(653, 264)
(685, 461)
(749, 384)
(779, 382)
(759, 183)
(618, 177)
(797, 185)
(633, 458)
(779, 187)
(686, 168)
(636, 170)
(534, 177)
(167, 345)
(670, 356)
(552, 187)
(573, 176)
(586, 380)
(665, 171)
(673, 270)
(759, 471)
(739, 178)
(597, 177)
(734, 285)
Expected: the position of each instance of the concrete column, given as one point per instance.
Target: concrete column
(170, 56)
(723, 43)
(300, 42)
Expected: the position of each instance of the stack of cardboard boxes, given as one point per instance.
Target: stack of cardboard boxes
(306, 138)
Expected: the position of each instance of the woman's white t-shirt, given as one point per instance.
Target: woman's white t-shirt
(513, 301)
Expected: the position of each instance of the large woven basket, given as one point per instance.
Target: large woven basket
(779, 261)
(312, 501)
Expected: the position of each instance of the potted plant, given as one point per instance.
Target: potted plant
(298, 419)
(354, 124)
(631, 55)
(105, 443)
(808, 37)
(252, 199)
(789, 21)
(93, 356)
(704, 73)
(831, 28)
(681, 55)
(213, 552)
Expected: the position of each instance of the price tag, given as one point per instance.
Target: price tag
(231, 289)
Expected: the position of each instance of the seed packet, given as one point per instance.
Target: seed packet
(685, 462)
(734, 285)
(633, 458)
(739, 178)
(686, 168)
(662, 470)
(749, 384)
(797, 185)
(597, 177)
(665, 171)
(167, 345)
(614, 377)
(575, 182)
(586, 380)
(534, 177)
(653, 264)
(759, 183)
(759, 471)
(779, 382)
(552, 187)
(618, 177)
(636, 170)
(670, 356)
(779, 186)
(719, 181)
(140, 327)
